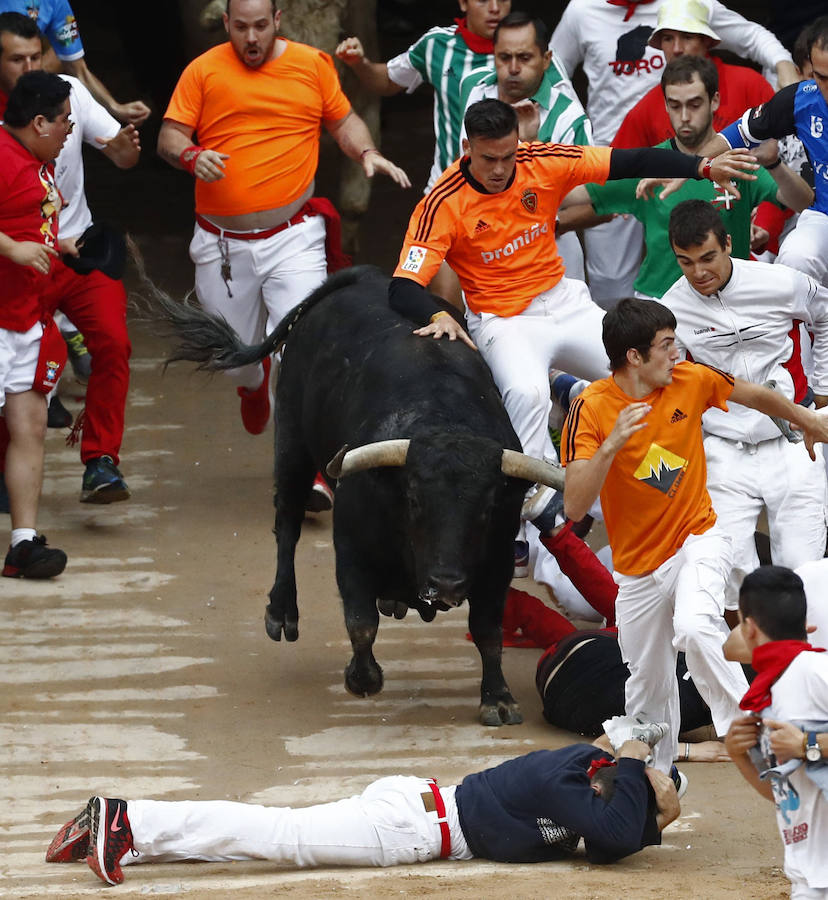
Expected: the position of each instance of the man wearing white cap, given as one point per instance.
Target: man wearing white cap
(683, 29)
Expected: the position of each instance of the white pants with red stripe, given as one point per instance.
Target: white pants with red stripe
(562, 328)
(386, 825)
(268, 277)
(806, 247)
(679, 607)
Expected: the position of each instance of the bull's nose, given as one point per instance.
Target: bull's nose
(451, 589)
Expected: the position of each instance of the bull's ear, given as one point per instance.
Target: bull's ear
(519, 465)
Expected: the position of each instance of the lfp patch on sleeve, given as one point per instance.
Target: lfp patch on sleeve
(415, 259)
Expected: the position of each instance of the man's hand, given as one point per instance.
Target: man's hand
(209, 166)
(69, 246)
(786, 740)
(30, 253)
(132, 113)
(767, 152)
(815, 433)
(759, 238)
(646, 187)
(634, 750)
(128, 135)
(708, 751)
(742, 736)
(528, 113)
(350, 51)
(666, 797)
(374, 162)
(626, 425)
(729, 165)
(446, 326)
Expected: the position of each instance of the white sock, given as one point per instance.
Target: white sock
(22, 534)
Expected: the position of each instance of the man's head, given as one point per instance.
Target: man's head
(20, 48)
(690, 85)
(640, 335)
(252, 26)
(491, 143)
(483, 16)
(521, 56)
(38, 112)
(772, 601)
(818, 53)
(701, 244)
(800, 54)
(683, 28)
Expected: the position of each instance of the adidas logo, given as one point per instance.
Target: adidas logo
(677, 416)
(481, 226)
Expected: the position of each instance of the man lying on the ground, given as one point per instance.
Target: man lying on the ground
(533, 808)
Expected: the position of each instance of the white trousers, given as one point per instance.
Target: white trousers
(806, 247)
(560, 327)
(268, 278)
(613, 258)
(776, 475)
(386, 825)
(19, 352)
(678, 607)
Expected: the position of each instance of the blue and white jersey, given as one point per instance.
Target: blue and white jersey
(56, 20)
(798, 109)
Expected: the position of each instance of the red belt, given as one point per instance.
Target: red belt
(440, 809)
(304, 213)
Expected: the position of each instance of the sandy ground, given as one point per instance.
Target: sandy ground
(145, 671)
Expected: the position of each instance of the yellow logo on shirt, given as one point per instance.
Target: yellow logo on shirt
(661, 469)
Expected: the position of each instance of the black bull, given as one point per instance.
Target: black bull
(427, 504)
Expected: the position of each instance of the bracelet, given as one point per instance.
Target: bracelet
(773, 165)
(439, 315)
(706, 168)
(686, 751)
(188, 157)
(368, 150)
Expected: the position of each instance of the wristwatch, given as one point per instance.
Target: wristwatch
(813, 752)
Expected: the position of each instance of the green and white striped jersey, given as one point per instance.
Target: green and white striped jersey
(442, 59)
(562, 117)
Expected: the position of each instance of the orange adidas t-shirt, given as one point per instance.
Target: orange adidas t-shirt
(655, 493)
(267, 119)
(502, 246)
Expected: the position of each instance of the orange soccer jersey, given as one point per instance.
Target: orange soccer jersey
(502, 246)
(267, 119)
(655, 493)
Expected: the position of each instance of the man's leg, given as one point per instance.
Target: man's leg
(644, 615)
(26, 421)
(806, 247)
(613, 258)
(700, 630)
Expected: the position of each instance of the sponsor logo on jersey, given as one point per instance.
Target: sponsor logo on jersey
(816, 126)
(522, 240)
(529, 200)
(661, 469)
(809, 88)
(415, 259)
(704, 330)
(481, 226)
(68, 32)
(678, 416)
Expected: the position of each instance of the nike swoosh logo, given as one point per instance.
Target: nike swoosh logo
(75, 835)
(114, 826)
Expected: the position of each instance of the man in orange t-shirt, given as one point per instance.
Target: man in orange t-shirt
(258, 104)
(635, 439)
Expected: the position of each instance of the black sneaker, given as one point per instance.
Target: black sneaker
(521, 559)
(679, 780)
(110, 838)
(544, 508)
(33, 559)
(103, 482)
(71, 843)
(79, 357)
(58, 415)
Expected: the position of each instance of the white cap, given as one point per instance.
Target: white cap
(690, 16)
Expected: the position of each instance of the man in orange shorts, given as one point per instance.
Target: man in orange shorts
(257, 104)
(635, 438)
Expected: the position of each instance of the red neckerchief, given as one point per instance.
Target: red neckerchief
(474, 41)
(4, 99)
(770, 661)
(597, 764)
(630, 4)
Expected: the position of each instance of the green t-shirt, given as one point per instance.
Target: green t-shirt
(659, 270)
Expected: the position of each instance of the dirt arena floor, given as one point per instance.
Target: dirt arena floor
(145, 671)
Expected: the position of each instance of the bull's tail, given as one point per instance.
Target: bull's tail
(209, 340)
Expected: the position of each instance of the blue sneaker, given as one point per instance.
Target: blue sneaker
(544, 508)
(521, 559)
(679, 780)
(103, 482)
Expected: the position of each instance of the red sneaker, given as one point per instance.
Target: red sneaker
(321, 496)
(255, 404)
(110, 838)
(71, 843)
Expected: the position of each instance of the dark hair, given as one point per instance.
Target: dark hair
(518, 19)
(36, 94)
(818, 34)
(774, 597)
(801, 48)
(491, 119)
(19, 25)
(272, 4)
(605, 779)
(682, 69)
(631, 325)
(691, 221)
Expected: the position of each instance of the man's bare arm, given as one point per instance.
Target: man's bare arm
(175, 137)
(371, 75)
(355, 141)
(124, 149)
(742, 735)
(134, 112)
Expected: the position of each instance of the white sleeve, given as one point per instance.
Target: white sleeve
(745, 38)
(566, 40)
(90, 117)
(811, 305)
(401, 72)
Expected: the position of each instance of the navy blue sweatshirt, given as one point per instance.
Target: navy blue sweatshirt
(537, 807)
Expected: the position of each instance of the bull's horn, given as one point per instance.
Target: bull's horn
(368, 456)
(519, 465)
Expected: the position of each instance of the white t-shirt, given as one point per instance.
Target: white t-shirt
(91, 121)
(801, 694)
(814, 576)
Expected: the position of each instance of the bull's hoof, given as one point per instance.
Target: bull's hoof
(501, 713)
(363, 682)
(275, 625)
